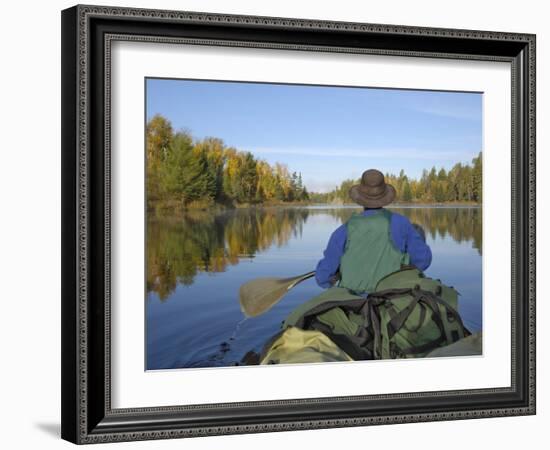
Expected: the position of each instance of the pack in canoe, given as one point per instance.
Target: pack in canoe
(408, 316)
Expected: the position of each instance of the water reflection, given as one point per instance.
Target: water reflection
(180, 248)
(197, 263)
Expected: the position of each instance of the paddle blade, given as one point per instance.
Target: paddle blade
(260, 295)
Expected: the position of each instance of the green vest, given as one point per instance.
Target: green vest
(370, 253)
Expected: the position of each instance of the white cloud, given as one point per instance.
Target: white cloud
(455, 112)
(321, 186)
(380, 153)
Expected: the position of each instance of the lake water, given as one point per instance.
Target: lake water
(196, 264)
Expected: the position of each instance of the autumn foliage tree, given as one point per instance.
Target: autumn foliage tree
(182, 170)
(158, 142)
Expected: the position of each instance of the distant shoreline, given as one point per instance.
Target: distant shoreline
(391, 206)
(161, 208)
(401, 204)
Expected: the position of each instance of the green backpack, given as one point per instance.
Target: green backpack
(407, 316)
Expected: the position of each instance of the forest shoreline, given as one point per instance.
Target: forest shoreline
(183, 173)
(163, 208)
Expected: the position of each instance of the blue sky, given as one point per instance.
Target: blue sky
(327, 133)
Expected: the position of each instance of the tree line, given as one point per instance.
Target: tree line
(182, 171)
(462, 183)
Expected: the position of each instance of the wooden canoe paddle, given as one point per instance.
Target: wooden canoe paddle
(260, 295)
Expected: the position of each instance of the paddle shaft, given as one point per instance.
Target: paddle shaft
(300, 278)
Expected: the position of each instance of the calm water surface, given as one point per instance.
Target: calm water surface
(196, 264)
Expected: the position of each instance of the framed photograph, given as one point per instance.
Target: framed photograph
(279, 224)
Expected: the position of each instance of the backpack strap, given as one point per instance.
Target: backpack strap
(436, 303)
(398, 320)
(427, 301)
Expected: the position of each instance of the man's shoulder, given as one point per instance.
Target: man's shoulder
(400, 218)
(401, 223)
(340, 230)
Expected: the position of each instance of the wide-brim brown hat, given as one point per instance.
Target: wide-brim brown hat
(373, 191)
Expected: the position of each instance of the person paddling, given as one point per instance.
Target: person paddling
(372, 244)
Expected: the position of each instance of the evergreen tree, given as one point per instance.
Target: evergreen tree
(477, 178)
(214, 151)
(183, 173)
(439, 192)
(305, 194)
(300, 188)
(433, 174)
(248, 178)
(407, 193)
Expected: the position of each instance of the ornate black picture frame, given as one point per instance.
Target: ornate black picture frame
(87, 33)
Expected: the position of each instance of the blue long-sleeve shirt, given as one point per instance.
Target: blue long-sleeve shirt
(403, 234)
